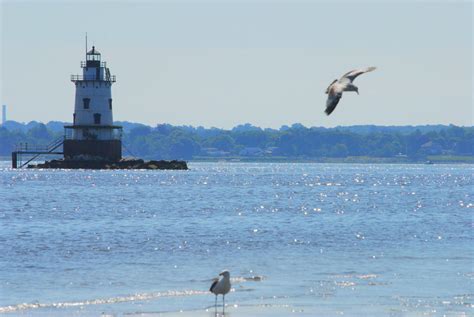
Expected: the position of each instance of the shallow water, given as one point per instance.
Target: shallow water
(336, 238)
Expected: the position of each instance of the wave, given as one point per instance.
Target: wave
(111, 300)
(122, 299)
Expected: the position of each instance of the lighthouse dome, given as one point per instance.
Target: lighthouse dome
(93, 55)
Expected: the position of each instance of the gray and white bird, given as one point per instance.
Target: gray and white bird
(221, 286)
(337, 87)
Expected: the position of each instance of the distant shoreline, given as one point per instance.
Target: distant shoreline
(442, 159)
(347, 160)
(247, 143)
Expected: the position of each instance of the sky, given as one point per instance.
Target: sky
(224, 63)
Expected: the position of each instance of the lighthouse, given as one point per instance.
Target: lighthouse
(93, 136)
(92, 141)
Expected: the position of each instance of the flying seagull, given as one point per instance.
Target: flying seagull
(221, 286)
(337, 87)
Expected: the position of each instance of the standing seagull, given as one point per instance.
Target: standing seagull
(221, 286)
(337, 87)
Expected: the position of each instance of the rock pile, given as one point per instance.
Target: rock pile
(122, 164)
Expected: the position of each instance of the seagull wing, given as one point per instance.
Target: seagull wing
(333, 100)
(329, 87)
(216, 280)
(353, 74)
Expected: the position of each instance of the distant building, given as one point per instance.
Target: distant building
(432, 148)
(211, 151)
(92, 134)
(271, 150)
(4, 114)
(251, 151)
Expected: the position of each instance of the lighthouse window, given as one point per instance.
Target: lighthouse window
(86, 102)
(96, 118)
(110, 103)
(74, 118)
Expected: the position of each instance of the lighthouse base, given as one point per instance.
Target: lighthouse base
(101, 150)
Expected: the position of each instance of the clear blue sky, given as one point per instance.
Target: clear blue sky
(222, 63)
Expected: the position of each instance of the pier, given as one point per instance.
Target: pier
(33, 152)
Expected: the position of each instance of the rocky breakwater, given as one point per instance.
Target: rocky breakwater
(122, 164)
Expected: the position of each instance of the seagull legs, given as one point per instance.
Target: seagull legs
(223, 304)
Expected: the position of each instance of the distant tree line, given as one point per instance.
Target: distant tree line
(165, 141)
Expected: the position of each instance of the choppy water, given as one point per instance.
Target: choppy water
(386, 240)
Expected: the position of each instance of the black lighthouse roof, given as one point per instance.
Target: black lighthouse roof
(93, 51)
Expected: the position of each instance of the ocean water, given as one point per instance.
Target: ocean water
(333, 239)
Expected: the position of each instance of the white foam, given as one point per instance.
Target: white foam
(99, 301)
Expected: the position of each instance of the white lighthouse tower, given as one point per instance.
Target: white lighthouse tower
(92, 134)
